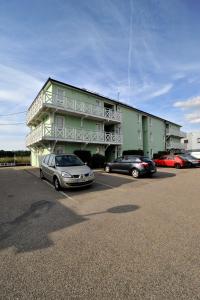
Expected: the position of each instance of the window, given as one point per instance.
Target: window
(119, 159)
(59, 95)
(68, 161)
(139, 134)
(198, 140)
(98, 127)
(59, 150)
(98, 102)
(59, 122)
(46, 159)
(186, 141)
(51, 161)
(151, 137)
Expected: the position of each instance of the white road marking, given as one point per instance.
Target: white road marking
(65, 195)
(48, 183)
(61, 192)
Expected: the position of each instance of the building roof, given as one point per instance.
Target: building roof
(102, 97)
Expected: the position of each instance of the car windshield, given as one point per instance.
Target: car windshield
(187, 156)
(68, 161)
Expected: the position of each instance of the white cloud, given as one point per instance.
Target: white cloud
(13, 144)
(161, 91)
(17, 86)
(193, 117)
(192, 102)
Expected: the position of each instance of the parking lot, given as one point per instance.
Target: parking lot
(122, 238)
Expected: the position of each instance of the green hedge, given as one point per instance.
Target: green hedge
(98, 161)
(133, 152)
(18, 159)
(84, 155)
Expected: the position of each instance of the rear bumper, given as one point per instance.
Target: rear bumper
(148, 171)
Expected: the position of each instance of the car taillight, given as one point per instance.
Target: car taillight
(145, 164)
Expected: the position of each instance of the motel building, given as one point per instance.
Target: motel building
(64, 118)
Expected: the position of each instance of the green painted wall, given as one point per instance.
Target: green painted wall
(149, 135)
(131, 129)
(156, 135)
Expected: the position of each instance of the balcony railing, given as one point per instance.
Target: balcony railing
(53, 100)
(174, 132)
(172, 145)
(69, 134)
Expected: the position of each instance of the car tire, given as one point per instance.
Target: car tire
(177, 166)
(41, 175)
(135, 173)
(107, 169)
(56, 184)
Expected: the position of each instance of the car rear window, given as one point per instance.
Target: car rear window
(146, 159)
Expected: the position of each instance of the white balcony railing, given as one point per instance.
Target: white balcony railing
(48, 99)
(174, 132)
(172, 145)
(69, 134)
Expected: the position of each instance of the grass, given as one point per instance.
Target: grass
(18, 159)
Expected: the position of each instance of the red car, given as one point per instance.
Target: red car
(175, 161)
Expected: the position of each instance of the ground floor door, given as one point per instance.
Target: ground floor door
(110, 153)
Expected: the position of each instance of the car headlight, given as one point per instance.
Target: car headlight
(66, 175)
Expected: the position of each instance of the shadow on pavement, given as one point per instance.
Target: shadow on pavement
(30, 222)
(117, 210)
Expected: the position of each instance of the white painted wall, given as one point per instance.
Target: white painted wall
(193, 140)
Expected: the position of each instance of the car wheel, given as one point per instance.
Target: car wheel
(177, 166)
(107, 169)
(135, 173)
(57, 184)
(41, 175)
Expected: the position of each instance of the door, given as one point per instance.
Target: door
(51, 168)
(126, 164)
(59, 124)
(117, 165)
(45, 166)
(161, 161)
(170, 161)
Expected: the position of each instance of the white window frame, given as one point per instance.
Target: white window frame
(56, 121)
(99, 127)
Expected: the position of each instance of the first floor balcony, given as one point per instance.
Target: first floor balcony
(47, 101)
(173, 145)
(176, 133)
(44, 133)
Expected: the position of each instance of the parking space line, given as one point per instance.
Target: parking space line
(61, 192)
(65, 195)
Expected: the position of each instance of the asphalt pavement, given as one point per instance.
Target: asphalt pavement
(123, 238)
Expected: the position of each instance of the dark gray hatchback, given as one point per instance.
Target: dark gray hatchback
(134, 165)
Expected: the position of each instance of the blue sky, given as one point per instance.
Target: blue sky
(145, 50)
